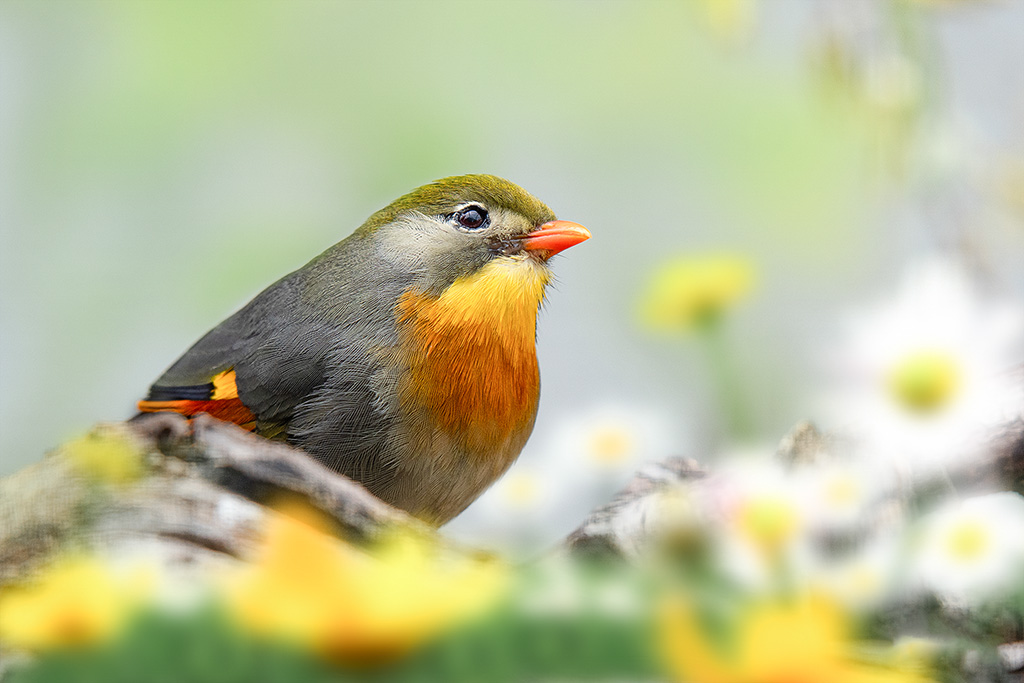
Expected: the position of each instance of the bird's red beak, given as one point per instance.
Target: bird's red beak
(555, 236)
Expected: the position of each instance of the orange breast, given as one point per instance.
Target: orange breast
(471, 354)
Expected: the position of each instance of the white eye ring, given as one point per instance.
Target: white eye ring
(471, 217)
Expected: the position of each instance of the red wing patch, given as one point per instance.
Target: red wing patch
(218, 398)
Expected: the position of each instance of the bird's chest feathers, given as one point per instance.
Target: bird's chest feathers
(471, 354)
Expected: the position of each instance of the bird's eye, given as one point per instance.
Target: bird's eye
(471, 217)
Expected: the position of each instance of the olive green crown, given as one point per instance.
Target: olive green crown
(444, 196)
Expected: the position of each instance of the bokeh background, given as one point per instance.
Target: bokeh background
(161, 162)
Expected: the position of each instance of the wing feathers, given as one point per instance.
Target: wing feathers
(218, 397)
(202, 392)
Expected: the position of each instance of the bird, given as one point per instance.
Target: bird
(404, 356)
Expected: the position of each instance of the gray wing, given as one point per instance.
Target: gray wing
(277, 353)
(311, 359)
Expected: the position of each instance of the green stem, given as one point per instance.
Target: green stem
(727, 380)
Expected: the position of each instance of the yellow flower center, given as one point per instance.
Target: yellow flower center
(925, 381)
(769, 522)
(842, 492)
(968, 541)
(610, 445)
(521, 489)
(76, 627)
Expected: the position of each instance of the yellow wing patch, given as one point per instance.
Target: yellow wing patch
(224, 386)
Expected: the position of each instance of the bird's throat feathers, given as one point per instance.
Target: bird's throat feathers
(472, 355)
(501, 297)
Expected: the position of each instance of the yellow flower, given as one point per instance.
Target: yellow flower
(77, 601)
(729, 19)
(356, 607)
(695, 292)
(804, 639)
(106, 455)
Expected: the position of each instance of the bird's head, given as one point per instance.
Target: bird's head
(459, 227)
(470, 254)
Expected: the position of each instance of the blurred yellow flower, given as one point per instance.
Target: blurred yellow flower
(803, 639)
(355, 607)
(106, 455)
(729, 19)
(77, 601)
(695, 291)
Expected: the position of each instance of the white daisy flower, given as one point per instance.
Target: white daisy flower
(864, 580)
(924, 373)
(513, 514)
(758, 520)
(608, 443)
(838, 496)
(576, 467)
(972, 550)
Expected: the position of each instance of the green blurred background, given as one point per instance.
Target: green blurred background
(161, 162)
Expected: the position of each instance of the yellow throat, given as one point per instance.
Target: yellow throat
(471, 352)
